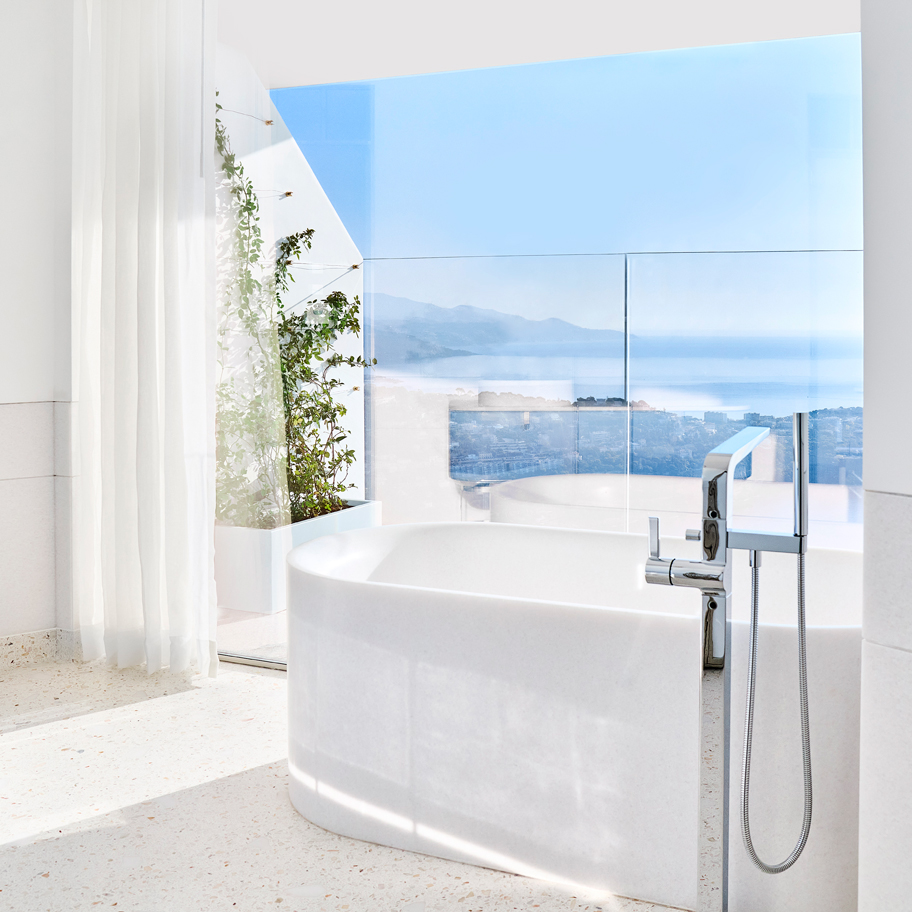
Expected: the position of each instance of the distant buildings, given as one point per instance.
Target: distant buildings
(488, 445)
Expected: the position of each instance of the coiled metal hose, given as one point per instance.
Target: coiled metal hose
(749, 723)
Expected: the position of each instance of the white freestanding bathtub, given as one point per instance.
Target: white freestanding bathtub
(517, 697)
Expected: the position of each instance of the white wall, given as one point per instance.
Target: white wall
(292, 42)
(35, 81)
(885, 870)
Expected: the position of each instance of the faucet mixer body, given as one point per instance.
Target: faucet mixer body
(712, 575)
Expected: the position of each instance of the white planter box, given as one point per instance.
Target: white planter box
(250, 563)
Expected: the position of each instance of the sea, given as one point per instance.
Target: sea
(687, 385)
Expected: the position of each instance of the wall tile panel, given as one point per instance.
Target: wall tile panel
(885, 822)
(887, 596)
(27, 554)
(26, 439)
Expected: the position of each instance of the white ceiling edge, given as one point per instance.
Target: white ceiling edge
(301, 42)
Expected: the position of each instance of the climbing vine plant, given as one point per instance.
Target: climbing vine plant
(251, 456)
(319, 458)
(282, 449)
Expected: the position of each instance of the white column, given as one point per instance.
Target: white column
(885, 825)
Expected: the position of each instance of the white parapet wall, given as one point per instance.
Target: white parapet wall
(250, 563)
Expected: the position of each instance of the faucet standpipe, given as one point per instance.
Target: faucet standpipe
(712, 576)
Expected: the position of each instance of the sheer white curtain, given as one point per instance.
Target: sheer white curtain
(144, 333)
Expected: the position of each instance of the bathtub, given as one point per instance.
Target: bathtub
(517, 697)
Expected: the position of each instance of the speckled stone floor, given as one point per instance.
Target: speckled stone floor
(169, 794)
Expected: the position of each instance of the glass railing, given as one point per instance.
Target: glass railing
(655, 359)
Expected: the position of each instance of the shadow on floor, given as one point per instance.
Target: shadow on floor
(48, 692)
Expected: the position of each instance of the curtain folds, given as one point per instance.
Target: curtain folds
(144, 333)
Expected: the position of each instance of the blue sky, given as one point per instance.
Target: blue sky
(742, 147)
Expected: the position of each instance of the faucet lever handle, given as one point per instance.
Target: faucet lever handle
(654, 537)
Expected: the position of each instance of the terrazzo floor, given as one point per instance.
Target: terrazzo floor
(169, 794)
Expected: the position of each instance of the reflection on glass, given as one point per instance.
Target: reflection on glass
(719, 342)
(502, 356)
(504, 445)
(602, 440)
(669, 443)
(771, 333)
(467, 393)
(483, 367)
(499, 446)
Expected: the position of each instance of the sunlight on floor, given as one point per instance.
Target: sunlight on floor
(170, 794)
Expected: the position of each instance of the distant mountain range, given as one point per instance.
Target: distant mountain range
(406, 330)
(409, 331)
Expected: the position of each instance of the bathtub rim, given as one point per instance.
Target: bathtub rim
(316, 543)
(323, 541)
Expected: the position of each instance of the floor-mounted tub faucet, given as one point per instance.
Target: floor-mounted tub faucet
(712, 577)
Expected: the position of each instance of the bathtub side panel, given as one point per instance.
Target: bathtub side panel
(547, 740)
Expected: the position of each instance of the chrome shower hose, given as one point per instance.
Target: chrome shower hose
(749, 724)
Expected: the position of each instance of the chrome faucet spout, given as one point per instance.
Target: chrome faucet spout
(712, 574)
